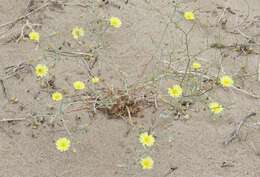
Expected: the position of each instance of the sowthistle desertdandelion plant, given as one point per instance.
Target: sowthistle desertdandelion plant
(196, 66)
(216, 107)
(147, 163)
(95, 80)
(41, 70)
(79, 85)
(57, 96)
(146, 139)
(34, 36)
(63, 144)
(175, 91)
(77, 32)
(115, 22)
(226, 81)
(189, 15)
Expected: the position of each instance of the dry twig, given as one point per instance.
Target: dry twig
(235, 133)
(24, 16)
(13, 119)
(3, 88)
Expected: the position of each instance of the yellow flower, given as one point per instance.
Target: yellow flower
(57, 96)
(115, 22)
(196, 66)
(63, 144)
(215, 107)
(226, 81)
(189, 15)
(77, 32)
(34, 36)
(41, 70)
(175, 91)
(147, 163)
(146, 139)
(95, 80)
(79, 85)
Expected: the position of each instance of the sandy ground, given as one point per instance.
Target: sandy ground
(105, 147)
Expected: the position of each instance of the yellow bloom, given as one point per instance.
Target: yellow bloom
(226, 81)
(34, 36)
(146, 139)
(79, 85)
(41, 70)
(57, 96)
(215, 107)
(95, 80)
(147, 163)
(175, 91)
(189, 15)
(115, 22)
(63, 144)
(196, 66)
(77, 32)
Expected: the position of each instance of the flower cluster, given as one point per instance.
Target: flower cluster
(147, 140)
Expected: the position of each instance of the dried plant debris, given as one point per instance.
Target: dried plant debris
(119, 103)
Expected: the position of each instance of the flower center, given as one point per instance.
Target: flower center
(146, 163)
(226, 82)
(146, 139)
